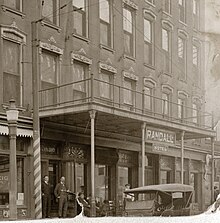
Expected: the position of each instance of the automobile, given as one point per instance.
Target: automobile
(160, 200)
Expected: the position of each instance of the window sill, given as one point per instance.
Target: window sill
(44, 23)
(107, 48)
(183, 23)
(152, 67)
(85, 39)
(167, 14)
(8, 9)
(129, 57)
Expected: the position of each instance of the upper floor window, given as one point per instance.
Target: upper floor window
(166, 46)
(195, 113)
(128, 27)
(129, 88)
(149, 38)
(167, 6)
(195, 14)
(50, 11)
(195, 56)
(12, 82)
(181, 108)
(182, 10)
(106, 87)
(80, 17)
(14, 4)
(148, 95)
(182, 56)
(105, 23)
(166, 100)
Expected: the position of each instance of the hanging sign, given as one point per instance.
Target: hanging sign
(161, 136)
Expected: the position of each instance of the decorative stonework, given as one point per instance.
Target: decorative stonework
(104, 66)
(52, 40)
(81, 58)
(13, 33)
(130, 74)
(131, 4)
(51, 47)
(148, 12)
(149, 81)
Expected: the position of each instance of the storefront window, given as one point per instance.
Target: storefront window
(20, 143)
(123, 173)
(4, 180)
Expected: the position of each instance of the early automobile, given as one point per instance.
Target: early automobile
(160, 200)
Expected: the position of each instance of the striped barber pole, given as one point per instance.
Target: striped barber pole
(37, 178)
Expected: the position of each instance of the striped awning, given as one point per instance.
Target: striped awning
(23, 132)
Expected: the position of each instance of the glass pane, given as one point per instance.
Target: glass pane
(165, 104)
(195, 113)
(15, 4)
(79, 175)
(147, 98)
(165, 40)
(167, 6)
(49, 10)
(101, 182)
(127, 92)
(48, 67)
(127, 20)
(79, 20)
(79, 4)
(148, 56)
(122, 180)
(4, 180)
(128, 43)
(195, 55)
(78, 72)
(104, 10)
(180, 47)
(104, 34)
(147, 30)
(11, 57)
(105, 89)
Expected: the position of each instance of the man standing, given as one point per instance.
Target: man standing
(46, 197)
(61, 193)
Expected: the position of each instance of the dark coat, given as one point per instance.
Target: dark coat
(45, 189)
(60, 190)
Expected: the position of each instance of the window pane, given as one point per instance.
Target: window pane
(15, 4)
(127, 20)
(195, 113)
(128, 92)
(79, 23)
(105, 88)
(79, 4)
(148, 56)
(128, 43)
(11, 57)
(147, 30)
(195, 55)
(48, 67)
(49, 11)
(182, 10)
(167, 6)
(165, 104)
(180, 47)
(105, 35)
(181, 105)
(147, 98)
(165, 40)
(104, 10)
(78, 75)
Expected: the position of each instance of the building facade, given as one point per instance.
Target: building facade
(120, 97)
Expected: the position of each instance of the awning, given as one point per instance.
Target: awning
(23, 132)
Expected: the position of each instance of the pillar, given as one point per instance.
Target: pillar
(182, 157)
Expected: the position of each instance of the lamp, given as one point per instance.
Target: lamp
(12, 117)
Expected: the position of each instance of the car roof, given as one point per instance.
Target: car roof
(163, 188)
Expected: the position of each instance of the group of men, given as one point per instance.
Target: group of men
(61, 193)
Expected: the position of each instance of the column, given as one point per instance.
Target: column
(213, 169)
(143, 127)
(92, 114)
(182, 156)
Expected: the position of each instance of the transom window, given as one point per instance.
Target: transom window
(50, 11)
(80, 17)
(105, 22)
(128, 26)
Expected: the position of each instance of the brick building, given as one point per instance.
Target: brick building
(121, 96)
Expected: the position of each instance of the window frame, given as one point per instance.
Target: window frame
(169, 12)
(196, 14)
(17, 2)
(168, 91)
(151, 85)
(108, 25)
(132, 36)
(182, 10)
(85, 27)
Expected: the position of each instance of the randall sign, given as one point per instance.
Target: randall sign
(155, 135)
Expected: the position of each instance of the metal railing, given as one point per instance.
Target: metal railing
(116, 96)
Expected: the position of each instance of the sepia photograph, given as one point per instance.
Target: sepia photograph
(109, 111)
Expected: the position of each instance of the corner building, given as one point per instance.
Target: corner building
(121, 97)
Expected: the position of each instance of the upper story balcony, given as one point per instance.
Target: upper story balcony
(113, 102)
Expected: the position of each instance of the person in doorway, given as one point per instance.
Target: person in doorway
(61, 193)
(46, 197)
(216, 192)
(84, 204)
